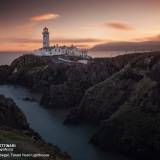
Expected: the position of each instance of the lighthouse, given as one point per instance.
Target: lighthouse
(45, 34)
(57, 50)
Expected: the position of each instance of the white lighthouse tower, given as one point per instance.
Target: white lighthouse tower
(45, 34)
(57, 50)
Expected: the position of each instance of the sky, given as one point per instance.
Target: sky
(84, 23)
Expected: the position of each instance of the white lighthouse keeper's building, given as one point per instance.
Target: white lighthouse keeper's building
(48, 50)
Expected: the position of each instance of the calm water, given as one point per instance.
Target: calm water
(7, 58)
(49, 124)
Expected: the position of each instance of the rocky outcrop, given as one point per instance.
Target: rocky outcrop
(28, 143)
(121, 94)
(63, 85)
(5, 71)
(10, 114)
(14, 129)
(127, 107)
(105, 98)
(78, 79)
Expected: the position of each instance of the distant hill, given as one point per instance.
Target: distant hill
(128, 46)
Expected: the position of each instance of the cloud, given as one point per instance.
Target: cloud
(128, 46)
(45, 17)
(119, 25)
(19, 40)
(79, 41)
(149, 38)
(30, 44)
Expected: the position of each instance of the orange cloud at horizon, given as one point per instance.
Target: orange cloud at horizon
(24, 44)
(81, 23)
(150, 38)
(13, 47)
(44, 17)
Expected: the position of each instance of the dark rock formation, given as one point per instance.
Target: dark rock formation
(15, 129)
(105, 98)
(127, 105)
(121, 94)
(11, 115)
(5, 71)
(63, 85)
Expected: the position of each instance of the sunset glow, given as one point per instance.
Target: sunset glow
(43, 17)
(83, 23)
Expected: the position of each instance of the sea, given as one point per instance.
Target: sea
(7, 57)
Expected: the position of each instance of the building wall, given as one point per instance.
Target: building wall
(61, 51)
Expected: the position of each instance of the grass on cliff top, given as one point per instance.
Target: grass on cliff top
(12, 135)
(32, 67)
(37, 69)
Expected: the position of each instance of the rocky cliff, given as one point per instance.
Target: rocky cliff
(120, 94)
(127, 107)
(62, 85)
(10, 115)
(5, 72)
(14, 129)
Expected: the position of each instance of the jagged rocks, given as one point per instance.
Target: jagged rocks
(11, 115)
(134, 128)
(62, 85)
(121, 92)
(5, 71)
(105, 98)
(128, 105)
(15, 129)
